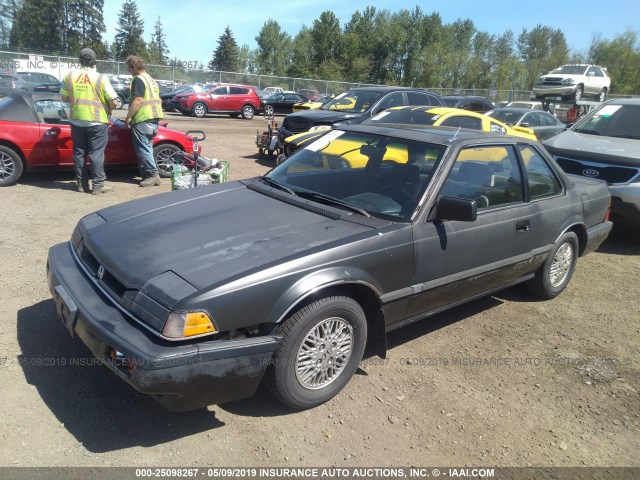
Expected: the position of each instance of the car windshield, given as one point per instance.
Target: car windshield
(571, 70)
(621, 121)
(207, 88)
(506, 116)
(405, 115)
(353, 101)
(363, 173)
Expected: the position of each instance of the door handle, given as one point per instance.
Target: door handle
(523, 226)
(51, 132)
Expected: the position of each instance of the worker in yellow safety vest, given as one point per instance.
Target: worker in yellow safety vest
(91, 98)
(145, 110)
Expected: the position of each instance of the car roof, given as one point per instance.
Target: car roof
(21, 109)
(517, 110)
(382, 89)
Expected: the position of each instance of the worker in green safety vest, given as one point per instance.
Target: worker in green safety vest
(91, 98)
(145, 110)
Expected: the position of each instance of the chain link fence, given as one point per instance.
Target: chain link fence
(171, 76)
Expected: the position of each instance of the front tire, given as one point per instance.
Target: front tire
(248, 112)
(163, 155)
(556, 272)
(268, 110)
(119, 102)
(199, 110)
(321, 348)
(577, 95)
(11, 166)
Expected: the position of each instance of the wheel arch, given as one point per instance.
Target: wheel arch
(581, 232)
(361, 289)
(18, 150)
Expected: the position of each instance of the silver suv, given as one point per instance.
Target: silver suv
(574, 82)
(605, 144)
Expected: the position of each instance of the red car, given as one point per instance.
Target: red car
(35, 133)
(235, 100)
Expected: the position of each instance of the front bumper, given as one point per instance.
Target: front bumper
(554, 90)
(180, 376)
(625, 203)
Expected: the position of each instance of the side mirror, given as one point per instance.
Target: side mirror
(453, 208)
(524, 124)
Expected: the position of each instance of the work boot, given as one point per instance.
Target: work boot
(83, 186)
(97, 189)
(152, 180)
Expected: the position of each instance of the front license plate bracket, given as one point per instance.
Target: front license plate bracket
(66, 309)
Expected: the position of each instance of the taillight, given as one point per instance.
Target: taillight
(608, 214)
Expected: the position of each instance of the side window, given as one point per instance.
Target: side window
(546, 119)
(415, 98)
(52, 111)
(542, 181)
(237, 91)
(392, 100)
(219, 91)
(489, 175)
(463, 122)
(532, 119)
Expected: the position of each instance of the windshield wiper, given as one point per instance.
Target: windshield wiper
(333, 201)
(635, 137)
(275, 184)
(586, 130)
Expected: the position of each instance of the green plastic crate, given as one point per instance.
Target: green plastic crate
(223, 176)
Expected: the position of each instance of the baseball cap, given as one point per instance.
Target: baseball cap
(87, 54)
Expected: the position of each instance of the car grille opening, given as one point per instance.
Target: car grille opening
(611, 174)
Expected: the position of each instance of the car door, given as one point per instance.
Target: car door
(457, 260)
(55, 146)
(219, 99)
(237, 97)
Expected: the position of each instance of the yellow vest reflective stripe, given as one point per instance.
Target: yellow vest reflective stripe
(151, 104)
(84, 96)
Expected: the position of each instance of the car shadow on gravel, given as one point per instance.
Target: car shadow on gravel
(96, 407)
(65, 180)
(621, 241)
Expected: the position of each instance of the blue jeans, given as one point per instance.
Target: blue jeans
(89, 143)
(142, 134)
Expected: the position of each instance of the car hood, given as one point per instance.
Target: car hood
(207, 235)
(319, 116)
(623, 151)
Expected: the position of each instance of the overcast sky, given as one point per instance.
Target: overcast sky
(192, 27)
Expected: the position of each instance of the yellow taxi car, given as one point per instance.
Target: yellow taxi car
(297, 107)
(418, 116)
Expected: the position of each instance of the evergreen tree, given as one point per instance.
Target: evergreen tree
(158, 49)
(226, 55)
(38, 26)
(128, 39)
(274, 47)
(84, 25)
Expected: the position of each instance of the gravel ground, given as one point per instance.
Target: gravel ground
(507, 380)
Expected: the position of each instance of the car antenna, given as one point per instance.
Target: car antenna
(455, 136)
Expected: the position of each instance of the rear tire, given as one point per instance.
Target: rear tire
(119, 102)
(268, 110)
(321, 348)
(248, 112)
(11, 166)
(602, 96)
(162, 154)
(556, 272)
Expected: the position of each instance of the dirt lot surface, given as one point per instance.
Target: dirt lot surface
(504, 381)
